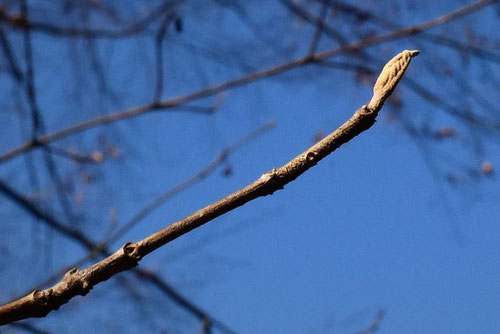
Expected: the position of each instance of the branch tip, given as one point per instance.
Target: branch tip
(389, 78)
(413, 53)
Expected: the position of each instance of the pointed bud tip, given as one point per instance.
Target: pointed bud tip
(413, 53)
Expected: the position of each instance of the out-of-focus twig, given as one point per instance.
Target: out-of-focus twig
(21, 22)
(375, 325)
(266, 73)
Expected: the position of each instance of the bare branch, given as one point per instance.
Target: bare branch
(101, 248)
(92, 158)
(79, 282)
(29, 328)
(429, 37)
(375, 325)
(86, 242)
(266, 73)
(319, 28)
(157, 202)
(21, 22)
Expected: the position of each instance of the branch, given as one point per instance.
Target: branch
(375, 325)
(21, 22)
(430, 37)
(29, 328)
(78, 236)
(266, 73)
(102, 248)
(158, 201)
(79, 282)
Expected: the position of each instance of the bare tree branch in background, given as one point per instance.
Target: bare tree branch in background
(375, 325)
(180, 101)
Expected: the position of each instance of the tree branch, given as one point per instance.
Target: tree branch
(266, 73)
(157, 202)
(21, 22)
(102, 248)
(79, 282)
(75, 234)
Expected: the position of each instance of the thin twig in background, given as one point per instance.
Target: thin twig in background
(375, 325)
(221, 158)
(319, 29)
(23, 23)
(266, 73)
(29, 328)
(92, 158)
(427, 36)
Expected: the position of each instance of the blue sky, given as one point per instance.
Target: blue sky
(372, 227)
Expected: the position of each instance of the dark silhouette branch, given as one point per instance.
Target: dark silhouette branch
(159, 40)
(68, 231)
(319, 22)
(429, 37)
(266, 73)
(12, 64)
(375, 325)
(92, 158)
(28, 328)
(79, 282)
(319, 28)
(21, 22)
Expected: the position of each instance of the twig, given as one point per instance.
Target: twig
(141, 214)
(188, 182)
(266, 73)
(375, 325)
(83, 240)
(319, 28)
(159, 71)
(21, 22)
(317, 21)
(101, 248)
(29, 328)
(79, 282)
(430, 37)
(92, 158)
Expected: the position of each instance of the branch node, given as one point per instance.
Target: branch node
(271, 181)
(40, 296)
(131, 250)
(311, 158)
(266, 177)
(70, 273)
(365, 110)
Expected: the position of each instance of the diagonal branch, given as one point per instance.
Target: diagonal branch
(79, 282)
(102, 248)
(254, 76)
(157, 202)
(144, 274)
